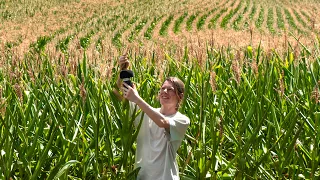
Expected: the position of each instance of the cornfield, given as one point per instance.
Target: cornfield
(254, 111)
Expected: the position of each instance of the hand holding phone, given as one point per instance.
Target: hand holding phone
(125, 75)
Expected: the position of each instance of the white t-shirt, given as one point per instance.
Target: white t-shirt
(157, 147)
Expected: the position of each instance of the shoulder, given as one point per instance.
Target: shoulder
(182, 118)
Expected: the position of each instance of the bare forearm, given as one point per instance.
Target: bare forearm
(156, 116)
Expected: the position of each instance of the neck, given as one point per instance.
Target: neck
(168, 110)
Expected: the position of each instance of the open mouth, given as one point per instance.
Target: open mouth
(165, 97)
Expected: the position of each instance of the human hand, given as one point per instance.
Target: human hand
(124, 62)
(130, 93)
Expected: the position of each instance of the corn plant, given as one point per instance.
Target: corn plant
(149, 31)
(253, 11)
(137, 29)
(237, 21)
(63, 44)
(306, 16)
(227, 18)
(190, 21)
(178, 22)
(280, 21)
(40, 45)
(165, 25)
(116, 39)
(213, 21)
(292, 22)
(203, 18)
(98, 44)
(260, 19)
(301, 21)
(270, 21)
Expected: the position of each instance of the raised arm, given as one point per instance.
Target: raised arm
(132, 95)
(123, 65)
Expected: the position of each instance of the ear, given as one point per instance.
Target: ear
(181, 95)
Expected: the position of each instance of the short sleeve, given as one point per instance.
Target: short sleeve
(178, 127)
